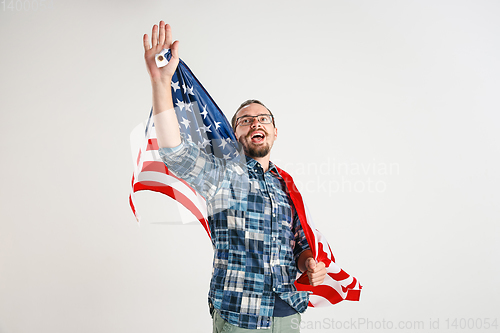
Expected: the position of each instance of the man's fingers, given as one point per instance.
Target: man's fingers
(316, 278)
(311, 264)
(145, 42)
(175, 49)
(154, 36)
(318, 267)
(314, 275)
(316, 281)
(316, 272)
(168, 35)
(161, 39)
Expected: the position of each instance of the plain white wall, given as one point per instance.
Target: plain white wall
(397, 99)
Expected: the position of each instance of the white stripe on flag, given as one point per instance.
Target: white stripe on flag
(174, 183)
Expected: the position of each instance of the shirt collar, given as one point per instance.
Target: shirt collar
(251, 163)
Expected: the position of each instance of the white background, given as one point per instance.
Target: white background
(411, 85)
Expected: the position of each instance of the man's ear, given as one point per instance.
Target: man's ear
(275, 133)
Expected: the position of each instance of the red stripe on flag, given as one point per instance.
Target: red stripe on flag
(339, 276)
(152, 145)
(353, 295)
(138, 157)
(323, 256)
(155, 166)
(131, 204)
(299, 207)
(174, 194)
(353, 283)
(327, 292)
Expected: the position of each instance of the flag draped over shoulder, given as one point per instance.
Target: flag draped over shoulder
(338, 285)
(202, 122)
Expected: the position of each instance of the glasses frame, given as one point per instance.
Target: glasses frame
(263, 114)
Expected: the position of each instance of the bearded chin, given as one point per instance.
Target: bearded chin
(257, 151)
(253, 151)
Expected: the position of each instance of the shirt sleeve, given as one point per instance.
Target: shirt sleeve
(202, 171)
(172, 150)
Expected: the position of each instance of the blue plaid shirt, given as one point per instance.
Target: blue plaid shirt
(256, 234)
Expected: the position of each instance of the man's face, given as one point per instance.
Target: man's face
(257, 139)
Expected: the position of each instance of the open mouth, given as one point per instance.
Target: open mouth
(258, 137)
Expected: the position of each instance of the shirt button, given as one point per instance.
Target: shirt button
(274, 215)
(274, 289)
(274, 238)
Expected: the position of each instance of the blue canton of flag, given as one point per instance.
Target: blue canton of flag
(200, 119)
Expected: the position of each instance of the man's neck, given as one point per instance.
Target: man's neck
(263, 161)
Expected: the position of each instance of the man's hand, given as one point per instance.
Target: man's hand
(161, 38)
(165, 119)
(315, 271)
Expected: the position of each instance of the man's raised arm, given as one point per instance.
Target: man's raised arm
(165, 120)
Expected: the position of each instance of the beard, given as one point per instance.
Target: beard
(252, 150)
(259, 151)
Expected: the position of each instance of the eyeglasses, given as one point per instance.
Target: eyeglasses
(248, 120)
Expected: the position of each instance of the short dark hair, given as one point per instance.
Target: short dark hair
(245, 103)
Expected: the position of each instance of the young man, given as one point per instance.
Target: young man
(257, 238)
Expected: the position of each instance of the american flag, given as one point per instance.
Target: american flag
(338, 285)
(202, 122)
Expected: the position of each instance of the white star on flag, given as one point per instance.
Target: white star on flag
(223, 144)
(205, 112)
(180, 104)
(206, 129)
(185, 122)
(175, 85)
(205, 142)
